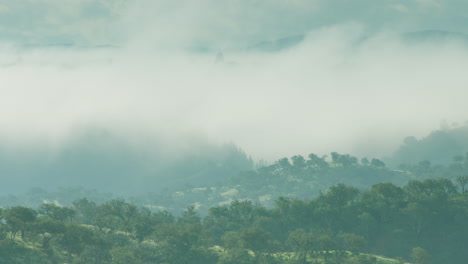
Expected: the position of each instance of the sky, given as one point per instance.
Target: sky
(357, 83)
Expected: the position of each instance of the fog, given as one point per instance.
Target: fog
(357, 83)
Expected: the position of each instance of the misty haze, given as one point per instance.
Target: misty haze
(240, 131)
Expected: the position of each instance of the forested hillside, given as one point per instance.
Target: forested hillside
(315, 209)
(104, 159)
(296, 177)
(440, 147)
(300, 210)
(423, 222)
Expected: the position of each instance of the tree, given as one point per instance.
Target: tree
(189, 216)
(56, 212)
(236, 256)
(377, 163)
(336, 158)
(345, 160)
(349, 160)
(231, 240)
(19, 218)
(327, 244)
(384, 201)
(298, 162)
(462, 182)
(143, 227)
(283, 164)
(123, 255)
(340, 195)
(3, 228)
(365, 161)
(430, 189)
(302, 243)
(242, 213)
(76, 238)
(178, 244)
(86, 210)
(420, 256)
(48, 229)
(316, 162)
(354, 243)
(257, 240)
(254, 239)
(116, 214)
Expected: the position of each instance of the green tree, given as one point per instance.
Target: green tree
(76, 238)
(86, 210)
(327, 244)
(257, 240)
(365, 161)
(354, 243)
(420, 256)
(56, 212)
(377, 163)
(462, 182)
(298, 162)
(316, 162)
(384, 201)
(346, 160)
(18, 219)
(302, 243)
(124, 255)
(143, 226)
(116, 214)
(48, 229)
(284, 165)
(254, 239)
(236, 256)
(231, 240)
(189, 216)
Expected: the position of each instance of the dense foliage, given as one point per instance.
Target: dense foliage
(297, 177)
(422, 221)
(321, 210)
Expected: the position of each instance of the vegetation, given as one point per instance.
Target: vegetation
(298, 210)
(439, 147)
(296, 177)
(423, 221)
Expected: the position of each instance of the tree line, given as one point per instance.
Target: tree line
(423, 222)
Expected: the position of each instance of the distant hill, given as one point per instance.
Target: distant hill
(101, 159)
(440, 147)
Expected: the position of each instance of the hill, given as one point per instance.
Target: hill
(440, 147)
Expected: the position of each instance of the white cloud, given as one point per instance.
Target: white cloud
(335, 91)
(344, 86)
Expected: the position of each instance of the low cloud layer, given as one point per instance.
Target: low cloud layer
(354, 84)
